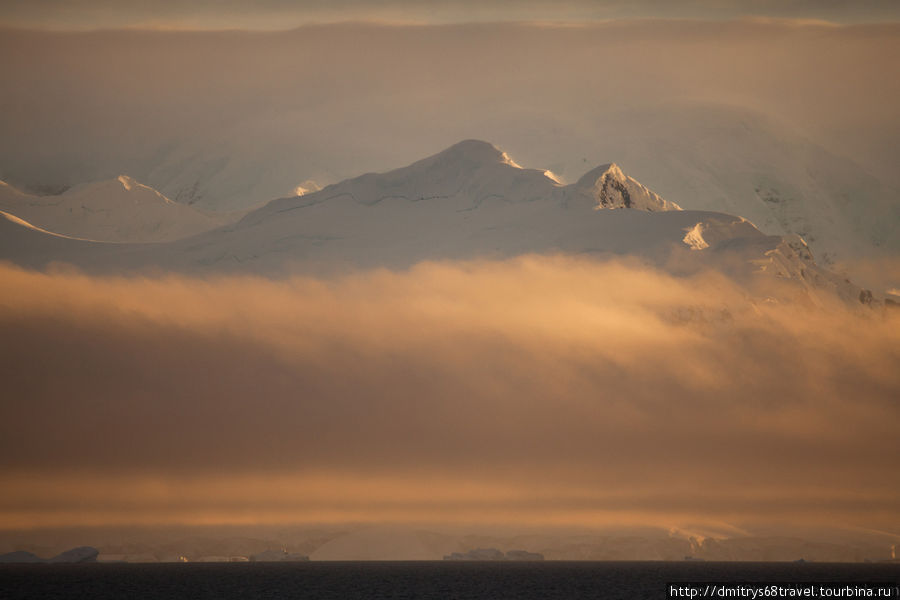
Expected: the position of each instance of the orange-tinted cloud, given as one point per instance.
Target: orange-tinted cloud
(540, 390)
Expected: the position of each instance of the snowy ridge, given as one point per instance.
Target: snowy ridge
(116, 210)
(23, 223)
(467, 173)
(130, 184)
(469, 201)
(712, 231)
(792, 259)
(470, 173)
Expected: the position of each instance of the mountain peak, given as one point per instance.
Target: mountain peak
(609, 187)
(476, 152)
(474, 147)
(608, 170)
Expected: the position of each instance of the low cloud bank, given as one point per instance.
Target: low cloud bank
(539, 390)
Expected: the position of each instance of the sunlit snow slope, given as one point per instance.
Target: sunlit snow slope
(118, 210)
(468, 201)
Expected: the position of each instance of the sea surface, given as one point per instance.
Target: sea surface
(426, 580)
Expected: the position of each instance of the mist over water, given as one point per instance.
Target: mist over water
(533, 391)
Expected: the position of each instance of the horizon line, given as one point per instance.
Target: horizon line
(760, 20)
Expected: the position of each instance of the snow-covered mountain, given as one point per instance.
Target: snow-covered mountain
(117, 210)
(704, 156)
(609, 187)
(781, 128)
(469, 175)
(468, 201)
(715, 157)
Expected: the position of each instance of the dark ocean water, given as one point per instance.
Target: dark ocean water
(427, 580)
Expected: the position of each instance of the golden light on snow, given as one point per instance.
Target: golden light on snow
(126, 181)
(505, 158)
(306, 187)
(694, 237)
(551, 175)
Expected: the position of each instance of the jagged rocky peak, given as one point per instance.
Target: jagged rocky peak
(609, 187)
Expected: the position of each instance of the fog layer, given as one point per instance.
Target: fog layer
(539, 390)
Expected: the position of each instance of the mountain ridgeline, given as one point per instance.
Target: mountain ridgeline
(468, 201)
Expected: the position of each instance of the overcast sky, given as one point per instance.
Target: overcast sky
(279, 14)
